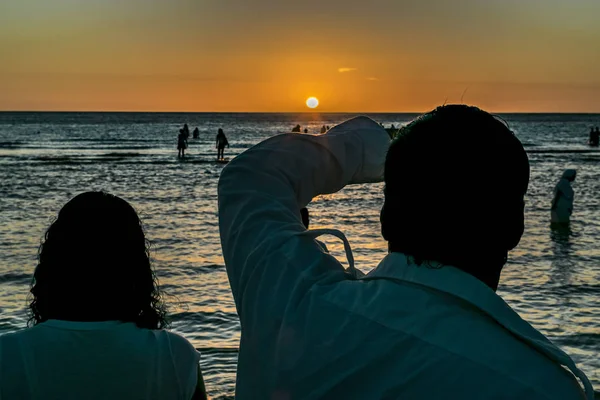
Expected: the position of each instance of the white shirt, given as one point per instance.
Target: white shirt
(311, 330)
(96, 360)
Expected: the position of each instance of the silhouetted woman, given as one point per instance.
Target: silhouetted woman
(97, 315)
(221, 142)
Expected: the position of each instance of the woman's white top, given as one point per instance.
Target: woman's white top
(96, 360)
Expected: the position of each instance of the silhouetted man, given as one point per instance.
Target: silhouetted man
(594, 137)
(181, 143)
(427, 322)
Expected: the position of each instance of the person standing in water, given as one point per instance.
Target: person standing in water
(196, 133)
(181, 143)
(562, 204)
(221, 143)
(594, 137)
(186, 131)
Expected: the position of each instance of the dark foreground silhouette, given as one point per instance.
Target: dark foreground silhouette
(427, 323)
(97, 315)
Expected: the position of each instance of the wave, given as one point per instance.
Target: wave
(218, 350)
(15, 277)
(579, 340)
(115, 145)
(564, 151)
(11, 145)
(570, 289)
(114, 141)
(218, 317)
(119, 159)
(25, 146)
(84, 157)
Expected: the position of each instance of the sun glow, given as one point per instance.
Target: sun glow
(312, 102)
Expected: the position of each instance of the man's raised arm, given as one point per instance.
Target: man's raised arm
(261, 193)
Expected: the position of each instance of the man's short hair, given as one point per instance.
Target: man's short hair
(455, 179)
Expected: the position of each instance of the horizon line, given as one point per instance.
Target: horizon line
(283, 112)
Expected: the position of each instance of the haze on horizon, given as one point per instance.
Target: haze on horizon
(270, 56)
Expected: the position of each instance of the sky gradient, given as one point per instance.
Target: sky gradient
(271, 55)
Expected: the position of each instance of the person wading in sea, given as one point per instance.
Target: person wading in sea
(221, 142)
(562, 202)
(181, 143)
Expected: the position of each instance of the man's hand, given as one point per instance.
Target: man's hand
(376, 142)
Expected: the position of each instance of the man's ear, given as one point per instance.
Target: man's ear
(516, 226)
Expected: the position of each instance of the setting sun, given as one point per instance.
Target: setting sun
(312, 102)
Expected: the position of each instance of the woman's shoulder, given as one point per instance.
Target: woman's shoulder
(178, 344)
(24, 335)
(185, 359)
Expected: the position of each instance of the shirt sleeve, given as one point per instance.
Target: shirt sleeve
(269, 261)
(186, 360)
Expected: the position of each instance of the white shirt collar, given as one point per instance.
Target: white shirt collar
(451, 280)
(82, 326)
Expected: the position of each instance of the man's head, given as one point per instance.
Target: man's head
(455, 179)
(569, 174)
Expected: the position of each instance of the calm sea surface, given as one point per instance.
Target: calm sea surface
(552, 278)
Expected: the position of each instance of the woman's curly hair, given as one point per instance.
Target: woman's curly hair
(94, 265)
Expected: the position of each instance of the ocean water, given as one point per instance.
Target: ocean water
(552, 279)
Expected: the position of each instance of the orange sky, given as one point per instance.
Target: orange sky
(267, 55)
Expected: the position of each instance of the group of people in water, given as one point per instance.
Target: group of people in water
(298, 129)
(594, 139)
(426, 323)
(184, 133)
